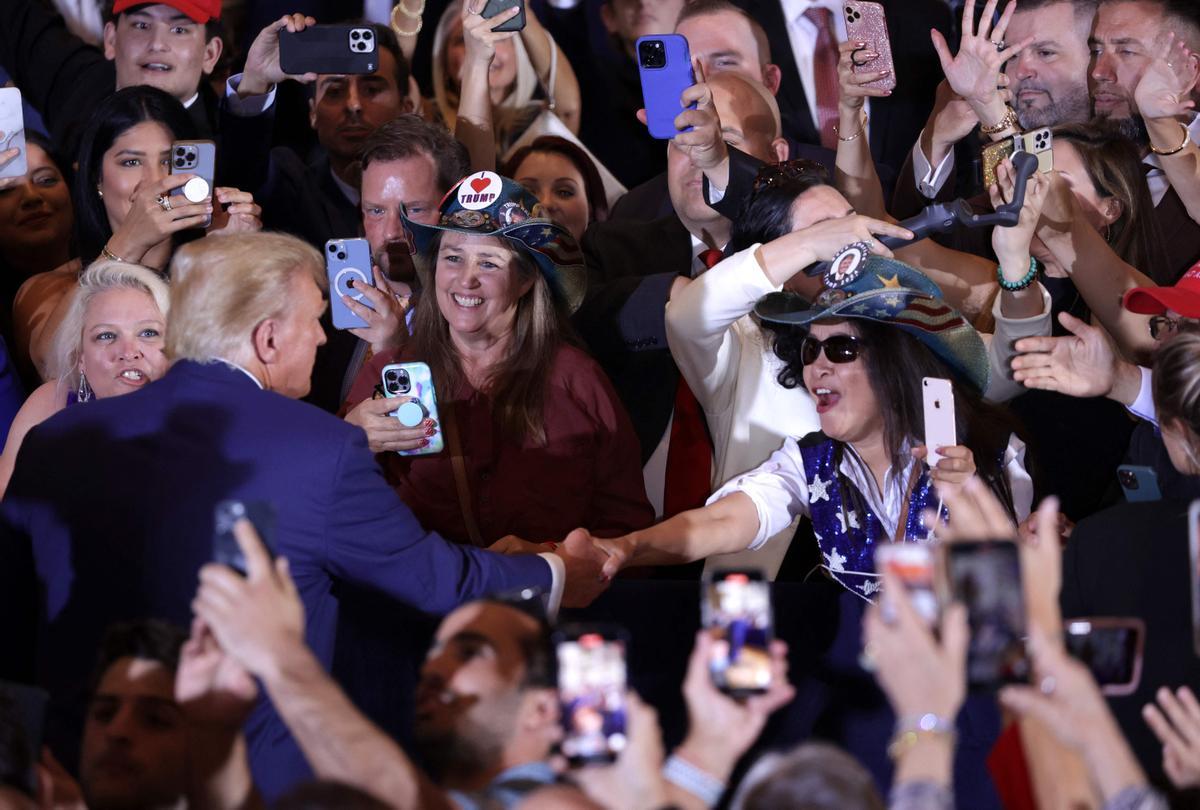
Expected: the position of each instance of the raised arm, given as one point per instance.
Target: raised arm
(1162, 98)
(548, 61)
(474, 125)
(855, 174)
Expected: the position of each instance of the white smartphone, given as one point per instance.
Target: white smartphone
(1039, 143)
(1194, 550)
(940, 427)
(12, 132)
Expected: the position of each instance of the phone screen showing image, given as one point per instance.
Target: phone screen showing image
(737, 612)
(591, 689)
(1110, 648)
(986, 577)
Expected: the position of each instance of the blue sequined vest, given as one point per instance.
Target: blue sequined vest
(848, 539)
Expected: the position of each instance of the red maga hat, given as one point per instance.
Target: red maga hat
(199, 10)
(1183, 298)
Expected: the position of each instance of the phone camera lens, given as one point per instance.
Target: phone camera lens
(652, 54)
(179, 162)
(341, 255)
(333, 248)
(354, 35)
(366, 35)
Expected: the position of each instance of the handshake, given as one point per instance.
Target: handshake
(590, 562)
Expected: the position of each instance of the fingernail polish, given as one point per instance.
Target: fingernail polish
(429, 431)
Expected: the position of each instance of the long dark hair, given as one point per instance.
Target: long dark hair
(593, 186)
(895, 363)
(517, 388)
(116, 115)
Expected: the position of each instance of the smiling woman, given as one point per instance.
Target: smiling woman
(110, 342)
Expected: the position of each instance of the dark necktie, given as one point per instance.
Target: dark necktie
(825, 75)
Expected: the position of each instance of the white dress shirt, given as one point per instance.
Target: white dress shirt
(802, 33)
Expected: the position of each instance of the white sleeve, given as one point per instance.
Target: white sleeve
(778, 489)
(1143, 406)
(558, 581)
(715, 195)
(1001, 386)
(249, 106)
(699, 321)
(1019, 481)
(929, 182)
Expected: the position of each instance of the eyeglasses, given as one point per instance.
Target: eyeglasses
(774, 173)
(838, 349)
(1160, 324)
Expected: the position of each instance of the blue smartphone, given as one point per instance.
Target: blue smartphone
(198, 158)
(1139, 483)
(665, 68)
(225, 546)
(416, 381)
(346, 261)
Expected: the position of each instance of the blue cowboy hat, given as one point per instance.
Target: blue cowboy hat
(486, 203)
(890, 292)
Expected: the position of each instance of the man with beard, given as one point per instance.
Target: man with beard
(1128, 36)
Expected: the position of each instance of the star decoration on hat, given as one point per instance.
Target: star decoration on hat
(890, 283)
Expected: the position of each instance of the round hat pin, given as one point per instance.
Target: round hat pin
(479, 191)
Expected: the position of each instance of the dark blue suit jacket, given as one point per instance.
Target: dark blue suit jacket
(112, 503)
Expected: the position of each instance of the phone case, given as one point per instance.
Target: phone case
(411, 414)
(12, 132)
(986, 577)
(198, 158)
(1112, 648)
(662, 86)
(494, 7)
(993, 155)
(338, 49)
(1139, 483)
(940, 428)
(226, 550)
(865, 22)
(1039, 143)
(347, 260)
(913, 563)
(1194, 553)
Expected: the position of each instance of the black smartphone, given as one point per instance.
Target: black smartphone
(225, 546)
(24, 707)
(1111, 648)
(736, 610)
(591, 691)
(494, 7)
(986, 577)
(339, 49)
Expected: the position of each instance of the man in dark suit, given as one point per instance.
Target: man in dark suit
(172, 45)
(109, 514)
(896, 120)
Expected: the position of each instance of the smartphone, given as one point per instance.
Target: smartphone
(986, 577)
(414, 380)
(865, 23)
(12, 132)
(940, 429)
(993, 155)
(198, 158)
(1111, 649)
(1139, 483)
(494, 7)
(1194, 550)
(339, 49)
(1039, 143)
(736, 610)
(665, 68)
(913, 563)
(591, 691)
(226, 550)
(24, 706)
(347, 261)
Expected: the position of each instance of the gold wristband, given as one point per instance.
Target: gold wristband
(1187, 138)
(905, 740)
(862, 128)
(1009, 121)
(108, 254)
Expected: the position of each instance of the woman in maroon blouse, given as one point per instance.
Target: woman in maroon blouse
(543, 444)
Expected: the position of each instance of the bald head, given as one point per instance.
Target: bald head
(749, 116)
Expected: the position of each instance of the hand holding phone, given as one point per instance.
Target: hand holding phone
(348, 264)
(1111, 648)
(736, 611)
(865, 22)
(986, 577)
(226, 549)
(329, 49)
(495, 7)
(665, 70)
(13, 162)
(913, 564)
(940, 426)
(415, 381)
(591, 691)
(198, 158)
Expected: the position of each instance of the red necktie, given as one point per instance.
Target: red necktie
(825, 75)
(689, 454)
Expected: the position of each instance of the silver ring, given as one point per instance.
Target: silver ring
(164, 202)
(1001, 45)
(1048, 685)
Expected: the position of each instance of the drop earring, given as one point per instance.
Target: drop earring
(100, 191)
(83, 392)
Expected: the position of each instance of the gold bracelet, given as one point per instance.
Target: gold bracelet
(402, 33)
(1187, 138)
(414, 14)
(905, 740)
(1009, 121)
(108, 254)
(862, 128)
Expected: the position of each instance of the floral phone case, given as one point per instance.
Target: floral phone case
(415, 380)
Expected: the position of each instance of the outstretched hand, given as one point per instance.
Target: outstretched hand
(586, 565)
(974, 72)
(1165, 88)
(1082, 364)
(1175, 720)
(262, 69)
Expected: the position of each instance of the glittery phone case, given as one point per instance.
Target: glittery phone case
(420, 387)
(992, 156)
(865, 23)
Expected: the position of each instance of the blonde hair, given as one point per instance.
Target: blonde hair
(99, 277)
(225, 286)
(507, 111)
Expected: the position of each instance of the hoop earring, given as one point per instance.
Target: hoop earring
(83, 392)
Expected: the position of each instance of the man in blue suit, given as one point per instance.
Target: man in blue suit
(111, 502)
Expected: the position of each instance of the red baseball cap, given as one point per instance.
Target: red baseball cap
(1183, 298)
(200, 11)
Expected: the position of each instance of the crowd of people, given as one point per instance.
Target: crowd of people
(278, 530)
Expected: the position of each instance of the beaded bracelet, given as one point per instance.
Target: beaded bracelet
(1025, 282)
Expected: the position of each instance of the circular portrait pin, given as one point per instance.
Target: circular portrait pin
(511, 213)
(846, 266)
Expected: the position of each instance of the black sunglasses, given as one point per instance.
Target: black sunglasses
(1161, 324)
(773, 173)
(838, 349)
